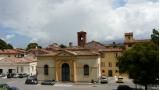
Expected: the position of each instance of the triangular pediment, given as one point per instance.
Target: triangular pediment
(64, 54)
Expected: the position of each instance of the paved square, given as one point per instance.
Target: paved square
(64, 86)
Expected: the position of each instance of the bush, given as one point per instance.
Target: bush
(123, 87)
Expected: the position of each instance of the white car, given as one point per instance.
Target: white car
(103, 79)
(120, 80)
(15, 75)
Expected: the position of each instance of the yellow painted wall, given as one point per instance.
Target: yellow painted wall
(109, 57)
(93, 68)
(40, 70)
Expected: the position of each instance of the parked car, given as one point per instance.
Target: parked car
(10, 75)
(2, 75)
(103, 79)
(20, 75)
(25, 75)
(120, 80)
(15, 75)
(48, 82)
(31, 80)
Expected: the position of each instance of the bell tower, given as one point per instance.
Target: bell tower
(129, 37)
(81, 38)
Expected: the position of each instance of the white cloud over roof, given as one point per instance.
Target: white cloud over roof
(47, 21)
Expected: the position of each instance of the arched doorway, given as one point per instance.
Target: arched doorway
(65, 72)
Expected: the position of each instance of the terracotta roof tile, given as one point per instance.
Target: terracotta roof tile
(138, 41)
(130, 33)
(144, 40)
(9, 51)
(18, 60)
(111, 50)
(95, 45)
(79, 52)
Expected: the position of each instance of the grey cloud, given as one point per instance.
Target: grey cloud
(47, 21)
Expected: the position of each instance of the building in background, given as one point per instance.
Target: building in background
(16, 65)
(12, 53)
(129, 40)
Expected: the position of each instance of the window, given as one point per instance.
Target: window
(32, 68)
(116, 54)
(103, 71)
(110, 73)
(21, 69)
(86, 70)
(116, 64)
(110, 64)
(45, 69)
(102, 55)
(102, 64)
(1, 71)
(17, 70)
(116, 71)
(129, 38)
(129, 45)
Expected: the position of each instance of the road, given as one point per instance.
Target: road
(17, 82)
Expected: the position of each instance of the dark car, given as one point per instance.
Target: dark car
(31, 80)
(123, 87)
(20, 75)
(10, 75)
(48, 82)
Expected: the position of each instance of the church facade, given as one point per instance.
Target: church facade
(69, 66)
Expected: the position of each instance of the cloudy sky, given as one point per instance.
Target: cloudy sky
(50, 21)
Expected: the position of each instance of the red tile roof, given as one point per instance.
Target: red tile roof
(138, 41)
(10, 51)
(79, 52)
(130, 33)
(111, 50)
(18, 60)
(38, 51)
(95, 45)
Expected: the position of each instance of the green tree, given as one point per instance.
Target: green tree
(155, 36)
(4, 45)
(114, 45)
(141, 63)
(63, 46)
(9, 46)
(32, 46)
